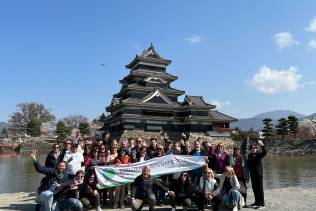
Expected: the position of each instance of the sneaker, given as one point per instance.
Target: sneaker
(173, 209)
(260, 207)
(122, 206)
(115, 206)
(253, 205)
(98, 208)
(235, 208)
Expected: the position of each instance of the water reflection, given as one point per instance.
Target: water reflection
(289, 172)
(18, 175)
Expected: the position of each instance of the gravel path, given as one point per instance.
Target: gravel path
(276, 199)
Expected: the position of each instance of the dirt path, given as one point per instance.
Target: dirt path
(276, 200)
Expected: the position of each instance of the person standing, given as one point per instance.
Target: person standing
(73, 160)
(256, 174)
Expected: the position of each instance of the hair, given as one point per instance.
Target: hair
(80, 172)
(145, 168)
(218, 145)
(187, 181)
(209, 169)
(56, 144)
(230, 170)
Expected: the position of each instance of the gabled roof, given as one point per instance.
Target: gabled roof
(149, 55)
(156, 94)
(196, 101)
(216, 115)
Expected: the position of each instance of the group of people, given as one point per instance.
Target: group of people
(70, 182)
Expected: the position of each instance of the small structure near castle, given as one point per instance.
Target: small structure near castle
(148, 103)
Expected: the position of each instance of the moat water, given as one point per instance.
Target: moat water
(17, 173)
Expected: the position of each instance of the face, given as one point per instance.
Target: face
(123, 144)
(131, 142)
(61, 167)
(87, 149)
(227, 173)
(95, 153)
(184, 176)
(221, 147)
(208, 173)
(74, 148)
(237, 151)
(102, 148)
(145, 173)
(153, 142)
(253, 149)
(159, 151)
(56, 148)
(197, 146)
(91, 179)
(79, 177)
(67, 145)
(139, 142)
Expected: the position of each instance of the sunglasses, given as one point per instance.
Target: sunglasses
(183, 175)
(68, 143)
(56, 147)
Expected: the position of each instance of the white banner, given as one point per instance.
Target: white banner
(115, 175)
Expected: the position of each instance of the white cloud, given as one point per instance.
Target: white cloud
(284, 39)
(194, 39)
(219, 104)
(270, 81)
(312, 26)
(312, 43)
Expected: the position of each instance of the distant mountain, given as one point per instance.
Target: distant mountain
(256, 123)
(279, 114)
(312, 116)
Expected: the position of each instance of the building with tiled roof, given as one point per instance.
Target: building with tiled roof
(147, 102)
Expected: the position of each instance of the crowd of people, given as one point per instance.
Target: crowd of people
(70, 181)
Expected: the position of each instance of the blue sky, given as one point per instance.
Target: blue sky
(245, 56)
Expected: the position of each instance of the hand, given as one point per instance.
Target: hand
(33, 155)
(260, 142)
(171, 193)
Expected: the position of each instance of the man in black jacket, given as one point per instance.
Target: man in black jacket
(52, 181)
(256, 174)
(143, 190)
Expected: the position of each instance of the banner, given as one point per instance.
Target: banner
(115, 175)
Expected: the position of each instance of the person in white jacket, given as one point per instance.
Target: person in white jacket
(229, 189)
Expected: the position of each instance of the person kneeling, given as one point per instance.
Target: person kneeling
(143, 190)
(229, 189)
(206, 190)
(181, 191)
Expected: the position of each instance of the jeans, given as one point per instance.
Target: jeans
(46, 200)
(231, 198)
(71, 204)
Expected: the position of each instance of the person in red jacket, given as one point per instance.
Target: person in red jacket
(122, 158)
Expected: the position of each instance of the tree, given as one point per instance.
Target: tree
(292, 124)
(74, 120)
(62, 130)
(26, 111)
(33, 127)
(4, 133)
(282, 127)
(268, 128)
(84, 128)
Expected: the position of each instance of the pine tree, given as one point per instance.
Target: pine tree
(282, 127)
(33, 127)
(61, 130)
(268, 128)
(84, 128)
(293, 125)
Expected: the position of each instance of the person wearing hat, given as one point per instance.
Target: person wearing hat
(73, 160)
(256, 173)
(168, 147)
(239, 163)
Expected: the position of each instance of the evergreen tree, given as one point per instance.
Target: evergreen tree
(33, 127)
(61, 130)
(292, 124)
(282, 127)
(84, 128)
(268, 128)
(4, 133)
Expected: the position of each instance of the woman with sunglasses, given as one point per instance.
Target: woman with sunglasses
(218, 158)
(53, 157)
(206, 189)
(181, 192)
